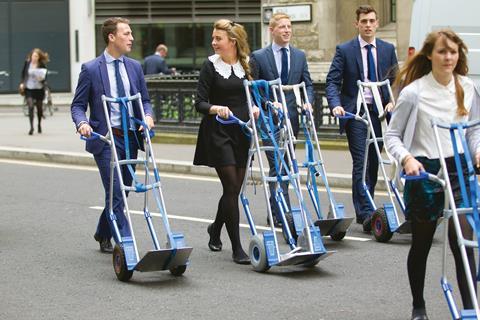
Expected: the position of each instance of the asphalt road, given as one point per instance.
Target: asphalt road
(50, 266)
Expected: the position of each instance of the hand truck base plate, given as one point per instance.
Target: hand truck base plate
(331, 226)
(164, 259)
(302, 257)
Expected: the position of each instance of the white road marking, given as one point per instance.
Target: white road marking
(202, 220)
(162, 174)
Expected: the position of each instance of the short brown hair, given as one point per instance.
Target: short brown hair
(110, 26)
(277, 17)
(365, 9)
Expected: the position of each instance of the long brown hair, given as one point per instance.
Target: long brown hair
(419, 65)
(236, 32)
(43, 57)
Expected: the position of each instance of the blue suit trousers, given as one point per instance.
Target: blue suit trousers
(357, 135)
(105, 226)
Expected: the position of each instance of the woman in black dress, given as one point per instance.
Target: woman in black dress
(34, 74)
(220, 92)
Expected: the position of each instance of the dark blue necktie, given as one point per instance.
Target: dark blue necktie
(120, 94)
(284, 75)
(118, 78)
(372, 75)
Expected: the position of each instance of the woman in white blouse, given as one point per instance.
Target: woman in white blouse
(34, 74)
(432, 84)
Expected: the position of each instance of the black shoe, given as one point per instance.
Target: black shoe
(213, 244)
(367, 224)
(30, 132)
(276, 222)
(105, 244)
(419, 314)
(241, 257)
(39, 129)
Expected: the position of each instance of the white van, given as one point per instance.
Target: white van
(462, 16)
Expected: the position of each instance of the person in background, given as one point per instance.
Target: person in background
(115, 75)
(368, 59)
(155, 63)
(220, 92)
(433, 84)
(34, 74)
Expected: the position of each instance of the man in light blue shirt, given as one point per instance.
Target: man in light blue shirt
(114, 75)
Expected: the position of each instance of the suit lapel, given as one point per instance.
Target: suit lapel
(293, 63)
(102, 66)
(271, 60)
(358, 56)
(380, 51)
(130, 74)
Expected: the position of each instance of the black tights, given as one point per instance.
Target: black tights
(38, 104)
(422, 237)
(228, 212)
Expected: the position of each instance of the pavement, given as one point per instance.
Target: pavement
(58, 143)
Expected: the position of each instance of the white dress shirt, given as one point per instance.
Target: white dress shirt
(115, 114)
(364, 50)
(277, 54)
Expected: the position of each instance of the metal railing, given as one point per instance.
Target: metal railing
(173, 101)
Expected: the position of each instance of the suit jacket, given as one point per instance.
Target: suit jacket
(92, 84)
(263, 67)
(347, 67)
(155, 64)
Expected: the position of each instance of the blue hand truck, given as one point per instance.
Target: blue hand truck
(471, 201)
(335, 223)
(385, 219)
(175, 256)
(273, 125)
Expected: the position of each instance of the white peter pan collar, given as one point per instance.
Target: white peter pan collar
(225, 69)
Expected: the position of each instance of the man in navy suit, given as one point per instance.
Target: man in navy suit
(155, 63)
(114, 75)
(282, 60)
(368, 59)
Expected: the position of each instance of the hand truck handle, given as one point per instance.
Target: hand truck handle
(421, 176)
(347, 115)
(230, 120)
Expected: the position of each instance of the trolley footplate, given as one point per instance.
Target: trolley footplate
(405, 228)
(302, 257)
(330, 226)
(164, 259)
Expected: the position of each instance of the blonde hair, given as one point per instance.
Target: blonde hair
(236, 32)
(276, 18)
(419, 65)
(161, 47)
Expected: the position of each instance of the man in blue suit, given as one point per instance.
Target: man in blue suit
(155, 63)
(114, 75)
(368, 59)
(282, 60)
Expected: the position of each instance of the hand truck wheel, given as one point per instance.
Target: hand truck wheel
(381, 230)
(120, 264)
(178, 270)
(258, 254)
(338, 236)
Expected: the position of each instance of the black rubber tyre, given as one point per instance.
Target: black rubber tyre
(380, 229)
(258, 254)
(120, 264)
(291, 225)
(312, 263)
(178, 270)
(338, 236)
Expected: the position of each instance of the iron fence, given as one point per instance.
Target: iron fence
(173, 101)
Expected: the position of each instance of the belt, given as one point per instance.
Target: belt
(119, 132)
